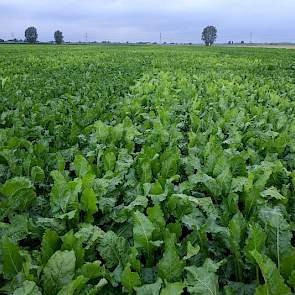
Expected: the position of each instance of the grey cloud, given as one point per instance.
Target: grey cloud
(135, 20)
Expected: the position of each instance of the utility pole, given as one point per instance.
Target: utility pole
(160, 38)
(251, 37)
(86, 37)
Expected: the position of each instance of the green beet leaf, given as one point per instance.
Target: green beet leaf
(88, 202)
(74, 286)
(64, 194)
(255, 240)
(51, 242)
(37, 174)
(149, 289)
(72, 242)
(170, 266)
(272, 192)
(142, 231)
(81, 166)
(18, 193)
(28, 288)
(156, 216)
(203, 280)
(191, 251)
(113, 249)
(12, 259)
(130, 279)
(91, 270)
(58, 272)
(291, 280)
(274, 282)
(173, 289)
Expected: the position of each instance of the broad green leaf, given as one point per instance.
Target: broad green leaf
(74, 286)
(130, 279)
(71, 242)
(279, 234)
(51, 242)
(191, 251)
(28, 288)
(81, 166)
(272, 192)
(142, 231)
(273, 280)
(169, 163)
(173, 289)
(238, 184)
(156, 216)
(64, 194)
(123, 213)
(124, 162)
(3, 82)
(18, 193)
(12, 259)
(179, 205)
(91, 270)
(224, 180)
(262, 174)
(236, 230)
(209, 182)
(156, 188)
(203, 280)
(113, 249)
(109, 161)
(59, 271)
(170, 266)
(134, 260)
(18, 186)
(17, 229)
(37, 174)
(149, 289)
(90, 235)
(101, 132)
(261, 290)
(238, 288)
(287, 262)
(117, 133)
(97, 288)
(88, 202)
(42, 224)
(291, 280)
(255, 241)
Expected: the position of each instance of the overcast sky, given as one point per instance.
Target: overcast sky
(143, 20)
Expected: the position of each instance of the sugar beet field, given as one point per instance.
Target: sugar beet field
(147, 170)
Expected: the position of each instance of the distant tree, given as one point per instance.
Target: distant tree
(242, 42)
(209, 35)
(1, 40)
(58, 37)
(31, 35)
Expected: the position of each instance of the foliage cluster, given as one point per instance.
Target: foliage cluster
(147, 170)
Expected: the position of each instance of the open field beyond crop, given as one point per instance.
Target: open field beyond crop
(271, 46)
(147, 170)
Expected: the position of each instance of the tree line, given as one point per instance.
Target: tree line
(31, 35)
(209, 35)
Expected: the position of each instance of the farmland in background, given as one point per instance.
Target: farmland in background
(147, 170)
